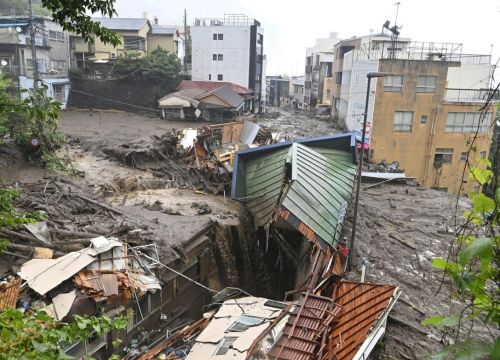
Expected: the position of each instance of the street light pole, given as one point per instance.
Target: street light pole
(360, 162)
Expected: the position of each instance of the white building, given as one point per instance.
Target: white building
(231, 50)
(319, 63)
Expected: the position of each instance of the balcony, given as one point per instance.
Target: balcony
(468, 95)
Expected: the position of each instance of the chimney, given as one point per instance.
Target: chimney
(155, 19)
(145, 14)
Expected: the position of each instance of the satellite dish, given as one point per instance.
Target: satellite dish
(4, 63)
(18, 29)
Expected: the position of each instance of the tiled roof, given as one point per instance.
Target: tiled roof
(212, 85)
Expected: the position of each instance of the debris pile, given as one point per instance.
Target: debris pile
(70, 220)
(193, 158)
(385, 167)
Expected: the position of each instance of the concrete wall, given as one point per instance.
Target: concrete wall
(165, 42)
(129, 95)
(415, 150)
(353, 92)
(235, 48)
(469, 76)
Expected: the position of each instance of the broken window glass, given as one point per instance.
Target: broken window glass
(225, 344)
(244, 322)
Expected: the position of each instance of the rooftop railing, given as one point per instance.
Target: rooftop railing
(228, 20)
(468, 95)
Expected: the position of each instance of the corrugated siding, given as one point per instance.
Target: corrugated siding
(264, 178)
(321, 190)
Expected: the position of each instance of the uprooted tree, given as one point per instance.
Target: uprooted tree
(472, 266)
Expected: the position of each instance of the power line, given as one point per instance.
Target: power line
(115, 101)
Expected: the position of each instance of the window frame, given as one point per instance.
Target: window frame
(446, 153)
(426, 119)
(220, 37)
(134, 43)
(220, 77)
(466, 122)
(214, 36)
(404, 125)
(220, 57)
(391, 86)
(426, 88)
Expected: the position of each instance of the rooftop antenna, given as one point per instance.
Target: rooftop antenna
(394, 33)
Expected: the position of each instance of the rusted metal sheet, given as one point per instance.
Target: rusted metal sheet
(9, 292)
(303, 333)
(362, 305)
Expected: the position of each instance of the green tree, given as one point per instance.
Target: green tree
(160, 64)
(472, 266)
(38, 336)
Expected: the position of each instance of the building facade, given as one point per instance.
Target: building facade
(424, 111)
(229, 49)
(278, 91)
(298, 92)
(319, 64)
(52, 54)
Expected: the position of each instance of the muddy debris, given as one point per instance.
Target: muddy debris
(201, 208)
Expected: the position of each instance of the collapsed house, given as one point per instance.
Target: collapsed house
(89, 258)
(207, 101)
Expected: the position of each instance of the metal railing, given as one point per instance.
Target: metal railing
(468, 95)
(228, 20)
(428, 51)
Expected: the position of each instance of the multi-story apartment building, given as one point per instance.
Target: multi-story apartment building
(229, 49)
(424, 111)
(52, 53)
(319, 63)
(278, 91)
(132, 32)
(370, 44)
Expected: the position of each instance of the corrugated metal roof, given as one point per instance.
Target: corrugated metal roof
(122, 23)
(263, 184)
(302, 334)
(320, 192)
(363, 304)
(163, 29)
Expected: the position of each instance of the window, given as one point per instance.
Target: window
(58, 92)
(244, 322)
(58, 64)
(482, 154)
(220, 77)
(424, 119)
(218, 36)
(214, 36)
(56, 36)
(393, 83)
(134, 43)
(214, 57)
(403, 121)
(209, 76)
(426, 83)
(466, 122)
(225, 344)
(463, 156)
(443, 156)
(220, 57)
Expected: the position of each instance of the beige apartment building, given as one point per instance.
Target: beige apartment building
(424, 112)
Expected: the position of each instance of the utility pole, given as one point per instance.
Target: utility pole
(187, 44)
(33, 48)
